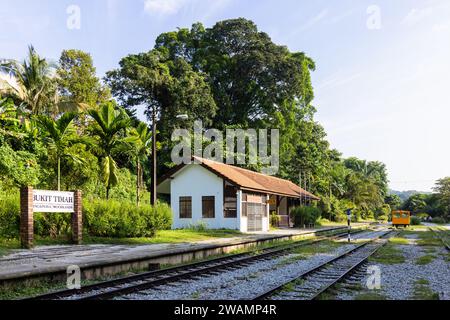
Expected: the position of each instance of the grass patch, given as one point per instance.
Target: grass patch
(292, 285)
(195, 295)
(38, 287)
(163, 236)
(308, 250)
(426, 259)
(388, 254)
(315, 248)
(428, 239)
(422, 291)
(399, 241)
(370, 296)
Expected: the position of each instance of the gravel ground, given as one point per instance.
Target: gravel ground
(244, 282)
(397, 285)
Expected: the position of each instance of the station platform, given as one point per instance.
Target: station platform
(99, 260)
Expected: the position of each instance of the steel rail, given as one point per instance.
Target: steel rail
(162, 276)
(271, 292)
(437, 234)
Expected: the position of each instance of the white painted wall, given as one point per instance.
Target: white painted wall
(266, 219)
(242, 221)
(195, 181)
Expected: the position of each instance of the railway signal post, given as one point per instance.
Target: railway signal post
(349, 217)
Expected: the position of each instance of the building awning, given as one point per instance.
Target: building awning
(251, 181)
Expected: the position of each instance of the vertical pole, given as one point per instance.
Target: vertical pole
(26, 217)
(349, 216)
(77, 218)
(300, 182)
(153, 196)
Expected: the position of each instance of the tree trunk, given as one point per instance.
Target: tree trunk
(138, 174)
(59, 173)
(153, 182)
(108, 187)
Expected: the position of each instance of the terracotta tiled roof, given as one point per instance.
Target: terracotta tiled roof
(254, 181)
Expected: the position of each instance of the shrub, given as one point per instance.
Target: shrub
(100, 218)
(9, 215)
(383, 218)
(305, 215)
(116, 219)
(439, 220)
(274, 219)
(422, 216)
(415, 221)
(199, 226)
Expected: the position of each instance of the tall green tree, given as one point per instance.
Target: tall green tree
(139, 144)
(416, 203)
(442, 188)
(250, 76)
(60, 135)
(393, 201)
(30, 82)
(109, 128)
(77, 80)
(33, 85)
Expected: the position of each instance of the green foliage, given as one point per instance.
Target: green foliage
(123, 219)
(59, 135)
(415, 221)
(383, 213)
(442, 189)
(305, 215)
(394, 201)
(110, 123)
(18, 167)
(274, 219)
(34, 88)
(77, 79)
(439, 220)
(416, 203)
(9, 215)
(200, 226)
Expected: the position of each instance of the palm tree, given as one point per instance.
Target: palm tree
(110, 122)
(139, 144)
(60, 134)
(33, 83)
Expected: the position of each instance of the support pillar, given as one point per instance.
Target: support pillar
(26, 218)
(77, 218)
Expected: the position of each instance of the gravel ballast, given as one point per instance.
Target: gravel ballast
(244, 282)
(399, 281)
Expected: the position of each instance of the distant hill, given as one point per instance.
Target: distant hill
(404, 195)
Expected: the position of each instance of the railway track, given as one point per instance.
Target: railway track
(438, 233)
(123, 286)
(311, 284)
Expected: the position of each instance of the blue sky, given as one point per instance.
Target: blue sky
(383, 69)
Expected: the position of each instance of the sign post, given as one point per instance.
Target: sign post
(349, 218)
(48, 201)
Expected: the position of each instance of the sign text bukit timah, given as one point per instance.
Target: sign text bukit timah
(53, 201)
(240, 146)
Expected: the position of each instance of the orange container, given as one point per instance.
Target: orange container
(401, 218)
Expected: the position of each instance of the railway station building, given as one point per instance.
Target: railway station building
(223, 196)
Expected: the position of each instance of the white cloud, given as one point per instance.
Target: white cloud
(166, 7)
(416, 15)
(442, 27)
(314, 20)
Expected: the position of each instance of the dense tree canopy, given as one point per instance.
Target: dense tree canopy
(230, 75)
(77, 80)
